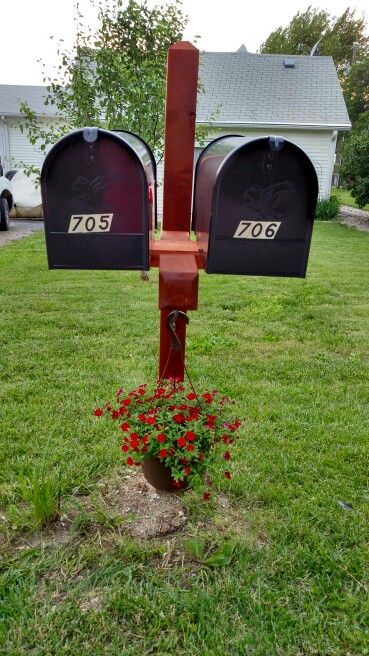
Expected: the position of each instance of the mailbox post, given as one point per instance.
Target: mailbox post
(254, 206)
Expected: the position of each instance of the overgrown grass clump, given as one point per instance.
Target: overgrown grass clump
(283, 571)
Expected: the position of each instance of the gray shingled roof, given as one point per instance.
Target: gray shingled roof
(12, 94)
(242, 88)
(246, 88)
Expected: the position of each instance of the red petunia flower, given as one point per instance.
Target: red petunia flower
(187, 471)
(161, 438)
(225, 439)
(227, 456)
(190, 436)
(179, 418)
(98, 412)
(181, 441)
(126, 402)
(211, 420)
(191, 396)
(206, 496)
(115, 414)
(122, 411)
(130, 461)
(151, 420)
(145, 439)
(190, 447)
(134, 436)
(207, 397)
(125, 448)
(183, 406)
(124, 426)
(163, 453)
(142, 417)
(227, 474)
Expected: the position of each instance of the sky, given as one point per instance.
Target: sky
(223, 26)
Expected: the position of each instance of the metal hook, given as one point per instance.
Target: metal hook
(172, 319)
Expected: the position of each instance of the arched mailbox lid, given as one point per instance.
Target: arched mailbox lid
(95, 192)
(254, 206)
(149, 162)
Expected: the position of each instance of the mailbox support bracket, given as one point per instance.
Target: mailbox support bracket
(178, 291)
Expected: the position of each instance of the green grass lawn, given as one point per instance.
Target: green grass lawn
(345, 198)
(294, 355)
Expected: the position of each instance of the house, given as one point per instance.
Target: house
(297, 97)
(15, 148)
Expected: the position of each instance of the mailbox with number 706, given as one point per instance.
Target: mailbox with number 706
(254, 206)
(98, 191)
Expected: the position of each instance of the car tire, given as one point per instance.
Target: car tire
(4, 214)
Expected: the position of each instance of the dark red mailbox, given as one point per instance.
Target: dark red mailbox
(254, 206)
(98, 199)
(148, 159)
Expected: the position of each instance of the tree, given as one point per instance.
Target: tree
(113, 77)
(354, 170)
(299, 37)
(343, 38)
(356, 89)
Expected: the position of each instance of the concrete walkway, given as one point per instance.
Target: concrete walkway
(20, 228)
(353, 217)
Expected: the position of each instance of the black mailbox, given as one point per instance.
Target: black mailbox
(98, 193)
(254, 206)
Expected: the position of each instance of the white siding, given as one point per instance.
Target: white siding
(21, 150)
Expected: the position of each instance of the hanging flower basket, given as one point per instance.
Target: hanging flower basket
(173, 432)
(160, 476)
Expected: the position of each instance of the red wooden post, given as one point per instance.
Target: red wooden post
(178, 273)
(180, 114)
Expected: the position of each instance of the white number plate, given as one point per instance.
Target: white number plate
(90, 223)
(257, 229)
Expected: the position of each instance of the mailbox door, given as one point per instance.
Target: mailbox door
(263, 209)
(95, 198)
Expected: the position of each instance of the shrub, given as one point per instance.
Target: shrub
(327, 209)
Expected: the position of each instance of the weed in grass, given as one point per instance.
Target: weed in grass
(42, 490)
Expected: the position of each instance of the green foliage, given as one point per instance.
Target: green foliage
(355, 89)
(298, 38)
(327, 209)
(214, 555)
(354, 169)
(114, 77)
(343, 38)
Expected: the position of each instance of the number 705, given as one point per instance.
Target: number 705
(87, 223)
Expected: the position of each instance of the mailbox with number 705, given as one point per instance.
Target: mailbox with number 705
(98, 192)
(254, 206)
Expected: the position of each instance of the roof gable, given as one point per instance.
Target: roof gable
(246, 88)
